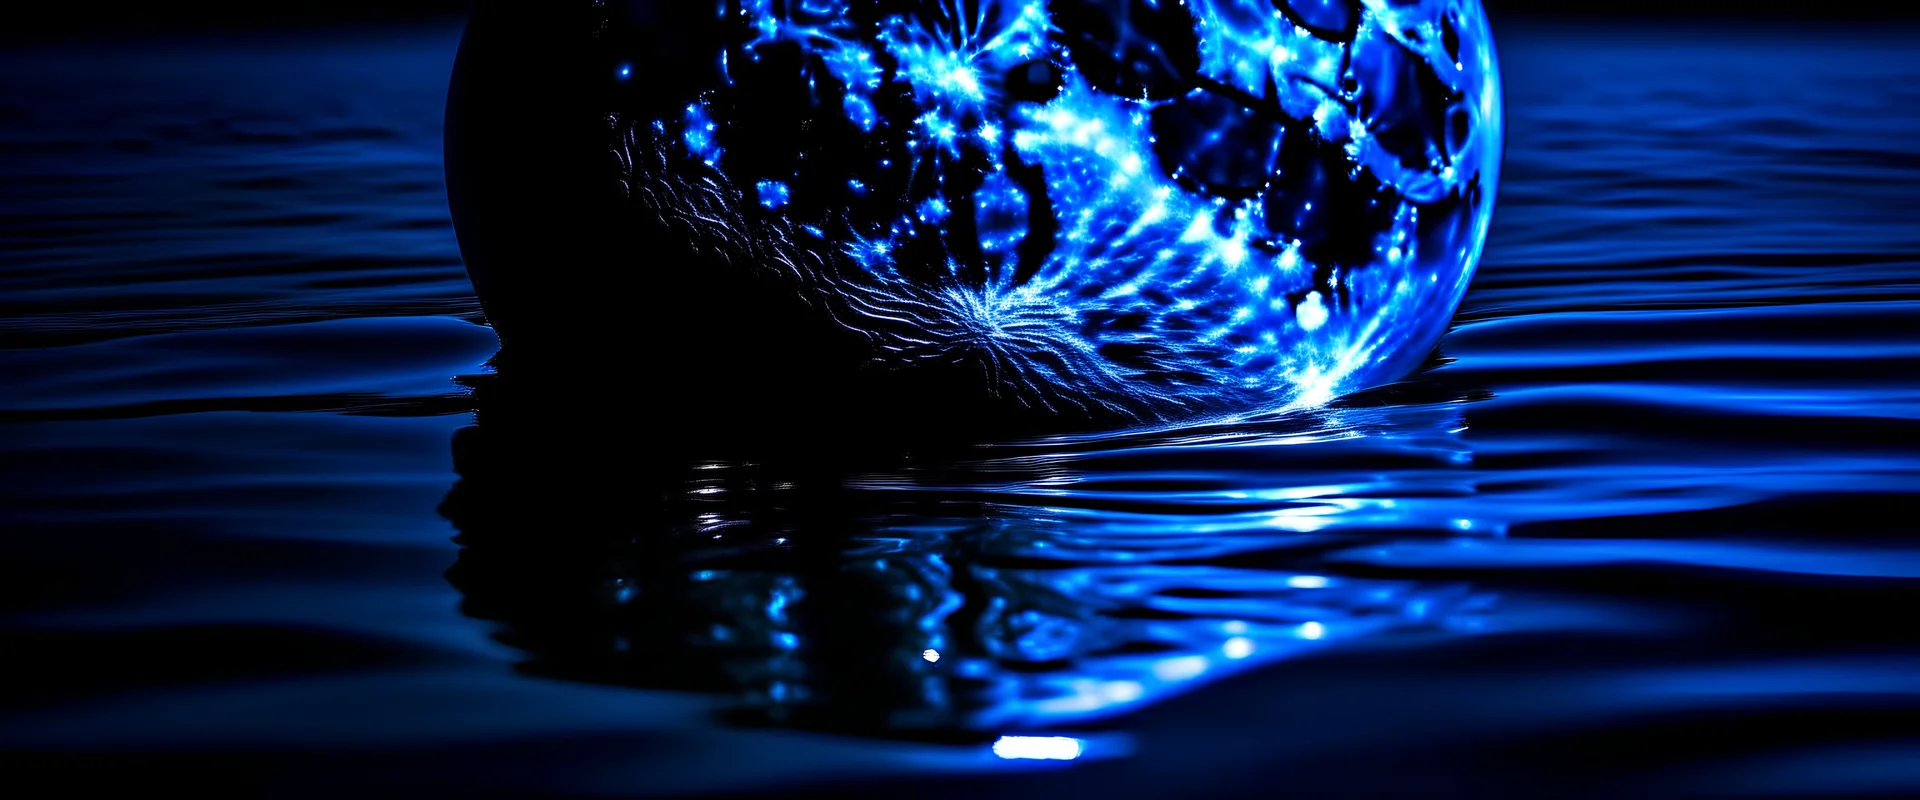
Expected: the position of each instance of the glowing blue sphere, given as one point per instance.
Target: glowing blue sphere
(1146, 208)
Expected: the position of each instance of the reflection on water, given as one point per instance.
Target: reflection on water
(1024, 587)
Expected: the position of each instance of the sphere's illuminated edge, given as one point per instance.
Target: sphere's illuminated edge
(1283, 206)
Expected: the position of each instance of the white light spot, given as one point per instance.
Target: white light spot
(1180, 669)
(1312, 630)
(1238, 647)
(931, 655)
(1122, 691)
(1312, 313)
(1051, 748)
(1232, 251)
(1308, 582)
(1199, 229)
(963, 78)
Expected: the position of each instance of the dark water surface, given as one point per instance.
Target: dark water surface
(1648, 524)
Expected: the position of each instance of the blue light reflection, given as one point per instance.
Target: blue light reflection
(1056, 593)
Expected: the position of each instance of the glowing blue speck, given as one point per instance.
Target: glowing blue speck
(773, 195)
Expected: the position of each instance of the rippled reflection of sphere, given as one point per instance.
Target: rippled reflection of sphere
(1134, 208)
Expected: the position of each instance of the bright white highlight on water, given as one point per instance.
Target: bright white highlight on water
(1307, 582)
(1092, 695)
(1312, 630)
(1051, 748)
(1180, 669)
(1123, 691)
(1238, 647)
(931, 655)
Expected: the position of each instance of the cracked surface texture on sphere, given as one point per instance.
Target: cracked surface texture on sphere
(1145, 208)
